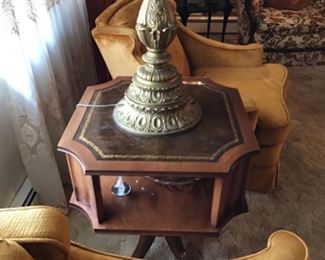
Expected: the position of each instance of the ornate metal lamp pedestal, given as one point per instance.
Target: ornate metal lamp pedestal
(156, 103)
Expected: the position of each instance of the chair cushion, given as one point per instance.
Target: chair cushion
(265, 85)
(280, 41)
(297, 58)
(126, 16)
(309, 20)
(284, 29)
(288, 4)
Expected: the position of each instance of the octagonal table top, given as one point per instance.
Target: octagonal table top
(222, 136)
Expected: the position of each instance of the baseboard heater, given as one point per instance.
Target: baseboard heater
(26, 195)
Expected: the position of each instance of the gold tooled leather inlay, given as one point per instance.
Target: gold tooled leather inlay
(104, 155)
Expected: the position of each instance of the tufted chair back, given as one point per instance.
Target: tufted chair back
(120, 20)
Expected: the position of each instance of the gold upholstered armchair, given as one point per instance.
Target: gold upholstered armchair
(42, 232)
(281, 245)
(241, 67)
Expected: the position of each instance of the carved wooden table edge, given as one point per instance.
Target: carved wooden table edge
(89, 176)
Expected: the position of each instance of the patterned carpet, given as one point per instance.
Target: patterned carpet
(298, 204)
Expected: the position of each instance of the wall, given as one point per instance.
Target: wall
(12, 171)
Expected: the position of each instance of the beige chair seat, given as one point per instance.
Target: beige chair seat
(253, 83)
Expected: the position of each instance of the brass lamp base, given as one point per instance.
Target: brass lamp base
(156, 103)
(142, 121)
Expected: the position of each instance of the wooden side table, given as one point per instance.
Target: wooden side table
(216, 152)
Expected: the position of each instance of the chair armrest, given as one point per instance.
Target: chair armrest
(10, 250)
(38, 229)
(282, 244)
(203, 52)
(116, 44)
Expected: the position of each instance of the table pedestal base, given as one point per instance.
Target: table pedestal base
(174, 243)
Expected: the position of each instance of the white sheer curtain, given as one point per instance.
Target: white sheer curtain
(45, 62)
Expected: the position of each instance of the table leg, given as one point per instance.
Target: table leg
(144, 244)
(176, 245)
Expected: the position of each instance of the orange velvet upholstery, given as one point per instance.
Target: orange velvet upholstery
(235, 66)
(41, 232)
(281, 245)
